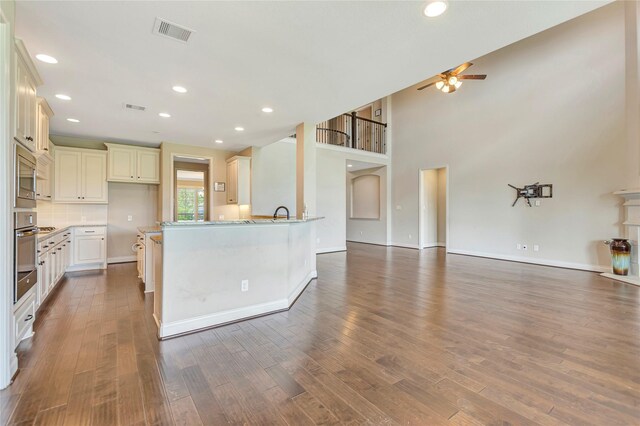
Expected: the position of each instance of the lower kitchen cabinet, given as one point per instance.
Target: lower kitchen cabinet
(89, 246)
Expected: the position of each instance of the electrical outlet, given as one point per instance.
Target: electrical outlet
(409, 236)
(398, 207)
(129, 218)
(518, 246)
(537, 203)
(536, 247)
(83, 219)
(317, 240)
(361, 233)
(524, 247)
(245, 285)
(220, 217)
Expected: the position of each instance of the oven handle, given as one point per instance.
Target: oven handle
(27, 234)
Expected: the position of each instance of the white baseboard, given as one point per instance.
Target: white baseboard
(122, 259)
(206, 321)
(535, 261)
(293, 295)
(403, 245)
(89, 267)
(635, 280)
(331, 249)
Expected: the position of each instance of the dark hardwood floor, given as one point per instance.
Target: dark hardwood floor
(384, 336)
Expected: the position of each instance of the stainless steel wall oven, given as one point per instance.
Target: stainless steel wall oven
(25, 256)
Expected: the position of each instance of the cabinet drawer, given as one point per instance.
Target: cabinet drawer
(24, 318)
(91, 230)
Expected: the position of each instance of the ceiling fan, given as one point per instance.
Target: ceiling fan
(451, 80)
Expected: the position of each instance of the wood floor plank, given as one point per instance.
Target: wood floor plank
(384, 336)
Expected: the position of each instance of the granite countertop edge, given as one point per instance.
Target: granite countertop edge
(238, 222)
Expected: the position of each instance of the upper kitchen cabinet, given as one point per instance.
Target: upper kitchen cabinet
(133, 164)
(26, 104)
(239, 180)
(43, 115)
(80, 176)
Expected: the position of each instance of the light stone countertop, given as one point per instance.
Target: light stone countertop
(44, 236)
(149, 229)
(240, 222)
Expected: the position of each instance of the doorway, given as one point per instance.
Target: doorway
(434, 207)
(191, 190)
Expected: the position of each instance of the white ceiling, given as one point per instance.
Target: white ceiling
(309, 60)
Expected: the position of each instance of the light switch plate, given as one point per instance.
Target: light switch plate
(129, 218)
(245, 285)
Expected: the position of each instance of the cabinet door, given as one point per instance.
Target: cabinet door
(232, 182)
(122, 164)
(94, 178)
(31, 104)
(21, 108)
(148, 166)
(68, 174)
(43, 130)
(88, 249)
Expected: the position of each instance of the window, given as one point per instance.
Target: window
(190, 193)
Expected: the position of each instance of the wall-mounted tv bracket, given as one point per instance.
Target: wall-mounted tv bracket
(533, 191)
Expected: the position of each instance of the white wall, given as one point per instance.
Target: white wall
(551, 110)
(273, 178)
(442, 207)
(138, 200)
(273, 184)
(372, 231)
(430, 208)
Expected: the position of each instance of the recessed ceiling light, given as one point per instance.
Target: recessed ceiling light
(63, 97)
(219, 141)
(267, 109)
(179, 89)
(349, 165)
(164, 115)
(46, 58)
(73, 120)
(435, 8)
(239, 129)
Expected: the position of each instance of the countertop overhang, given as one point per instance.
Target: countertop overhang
(239, 222)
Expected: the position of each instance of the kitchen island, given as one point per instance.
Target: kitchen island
(213, 273)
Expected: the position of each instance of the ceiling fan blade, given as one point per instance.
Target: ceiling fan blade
(472, 77)
(460, 68)
(430, 84)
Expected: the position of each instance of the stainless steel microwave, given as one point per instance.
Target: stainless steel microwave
(25, 167)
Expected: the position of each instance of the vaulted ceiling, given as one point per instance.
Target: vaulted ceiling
(308, 60)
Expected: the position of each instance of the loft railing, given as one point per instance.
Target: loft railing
(355, 132)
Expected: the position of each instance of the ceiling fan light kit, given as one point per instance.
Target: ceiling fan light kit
(451, 80)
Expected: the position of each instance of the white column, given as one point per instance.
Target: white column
(306, 169)
(632, 85)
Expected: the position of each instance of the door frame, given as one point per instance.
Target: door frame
(209, 195)
(8, 358)
(421, 225)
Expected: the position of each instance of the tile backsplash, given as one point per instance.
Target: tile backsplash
(55, 214)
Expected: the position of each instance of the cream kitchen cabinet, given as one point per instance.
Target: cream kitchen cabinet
(89, 246)
(80, 176)
(26, 81)
(43, 115)
(54, 258)
(44, 177)
(239, 180)
(133, 164)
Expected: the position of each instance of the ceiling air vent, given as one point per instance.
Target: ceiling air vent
(165, 28)
(134, 107)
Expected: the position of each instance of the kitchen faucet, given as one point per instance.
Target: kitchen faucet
(275, 215)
